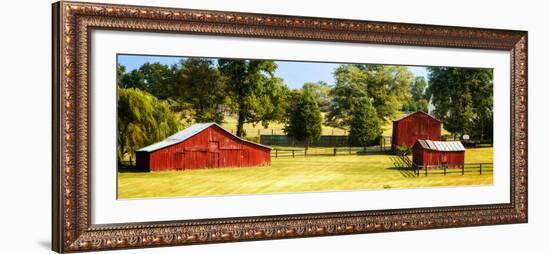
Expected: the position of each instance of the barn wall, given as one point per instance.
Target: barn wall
(416, 126)
(418, 154)
(424, 157)
(211, 148)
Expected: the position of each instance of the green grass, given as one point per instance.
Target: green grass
(300, 174)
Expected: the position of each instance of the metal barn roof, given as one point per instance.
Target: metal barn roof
(186, 134)
(448, 146)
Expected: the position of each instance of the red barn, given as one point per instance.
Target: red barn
(414, 126)
(203, 145)
(438, 154)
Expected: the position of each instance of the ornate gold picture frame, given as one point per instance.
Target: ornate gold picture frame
(72, 229)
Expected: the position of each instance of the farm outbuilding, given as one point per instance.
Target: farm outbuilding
(438, 154)
(414, 126)
(203, 145)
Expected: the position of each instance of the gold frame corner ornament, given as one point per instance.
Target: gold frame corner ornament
(71, 226)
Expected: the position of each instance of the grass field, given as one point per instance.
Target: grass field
(301, 174)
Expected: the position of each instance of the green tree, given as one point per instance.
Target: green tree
(422, 105)
(154, 78)
(120, 72)
(463, 99)
(417, 88)
(257, 96)
(417, 101)
(142, 120)
(321, 92)
(158, 79)
(304, 119)
(386, 86)
(365, 125)
(199, 83)
(133, 79)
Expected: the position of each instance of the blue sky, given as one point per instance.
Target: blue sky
(294, 74)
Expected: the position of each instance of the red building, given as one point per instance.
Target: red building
(203, 145)
(438, 154)
(414, 126)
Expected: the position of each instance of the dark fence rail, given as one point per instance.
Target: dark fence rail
(326, 151)
(478, 168)
(323, 141)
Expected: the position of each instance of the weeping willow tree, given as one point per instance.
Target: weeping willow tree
(142, 119)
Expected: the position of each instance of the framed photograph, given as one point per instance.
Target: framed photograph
(178, 126)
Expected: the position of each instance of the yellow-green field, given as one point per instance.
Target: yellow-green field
(300, 174)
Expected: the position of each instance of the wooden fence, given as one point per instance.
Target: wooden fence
(328, 151)
(478, 168)
(323, 141)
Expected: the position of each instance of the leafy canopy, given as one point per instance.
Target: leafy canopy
(199, 83)
(142, 120)
(387, 87)
(304, 118)
(463, 99)
(365, 126)
(256, 95)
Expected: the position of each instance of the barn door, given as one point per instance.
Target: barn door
(214, 154)
(179, 161)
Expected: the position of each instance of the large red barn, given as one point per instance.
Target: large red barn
(414, 126)
(438, 154)
(203, 145)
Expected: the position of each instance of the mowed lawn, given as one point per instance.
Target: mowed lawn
(300, 174)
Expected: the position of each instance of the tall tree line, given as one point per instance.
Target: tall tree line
(210, 88)
(195, 89)
(463, 100)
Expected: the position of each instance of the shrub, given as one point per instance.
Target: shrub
(403, 150)
(446, 137)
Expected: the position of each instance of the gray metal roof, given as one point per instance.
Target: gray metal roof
(448, 146)
(187, 133)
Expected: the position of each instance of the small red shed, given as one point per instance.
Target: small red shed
(414, 126)
(202, 145)
(438, 154)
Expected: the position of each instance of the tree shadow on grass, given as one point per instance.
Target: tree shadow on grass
(404, 169)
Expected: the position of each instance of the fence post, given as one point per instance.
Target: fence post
(444, 170)
(292, 153)
(305, 152)
(426, 170)
(335, 151)
(349, 150)
(480, 168)
(276, 153)
(462, 169)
